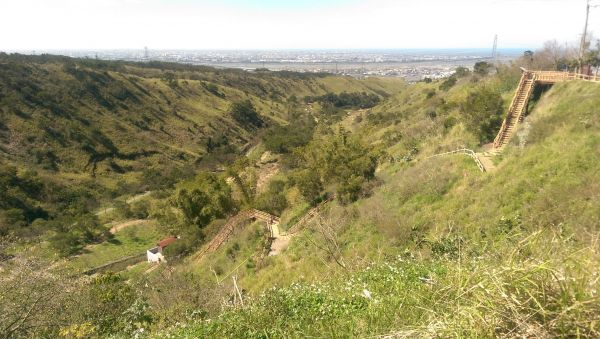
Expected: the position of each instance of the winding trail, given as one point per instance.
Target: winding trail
(279, 240)
(116, 228)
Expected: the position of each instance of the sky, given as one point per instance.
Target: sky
(289, 24)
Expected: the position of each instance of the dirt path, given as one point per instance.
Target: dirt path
(131, 200)
(138, 197)
(279, 244)
(116, 228)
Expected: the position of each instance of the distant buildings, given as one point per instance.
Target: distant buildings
(412, 65)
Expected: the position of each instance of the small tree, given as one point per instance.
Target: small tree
(462, 72)
(273, 200)
(482, 68)
(204, 199)
(309, 183)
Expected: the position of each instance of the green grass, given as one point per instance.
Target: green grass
(447, 251)
(506, 293)
(238, 254)
(60, 113)
(129, 241)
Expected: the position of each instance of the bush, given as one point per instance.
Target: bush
(462, 72)
(273, 200)
(207, 197)
(140, 209)
(213, 89)
(309, 183)
(448, 83)
(283, 139)
(482, 68)
(245, 114)
(65, 243)
(482, 113)
(350, 190)
(75, 231)
(334, 159)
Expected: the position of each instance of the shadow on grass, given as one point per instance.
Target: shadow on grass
(114, 241)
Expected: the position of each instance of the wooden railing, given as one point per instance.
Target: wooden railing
(554, 77)
(507, 120)
(308, 216)
(263, 216)
(543, 77)
(233, 222)
(465, 151)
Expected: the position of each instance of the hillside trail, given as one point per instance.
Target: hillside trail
(516, 113)
(484, 163)
(519, 105)
(118, 227)
(279, 240)
(131, 200)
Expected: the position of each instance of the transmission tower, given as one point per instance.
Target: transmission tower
(146, 52)
(495, 48)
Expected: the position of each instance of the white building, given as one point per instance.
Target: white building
(155, 255)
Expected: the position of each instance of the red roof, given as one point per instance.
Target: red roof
(166, 242)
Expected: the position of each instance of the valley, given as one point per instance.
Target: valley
(296, 205)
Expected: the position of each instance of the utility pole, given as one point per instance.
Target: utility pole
(583, 44)
(584, 36)
(495, 49)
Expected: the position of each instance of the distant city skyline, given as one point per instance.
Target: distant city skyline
(279, 24)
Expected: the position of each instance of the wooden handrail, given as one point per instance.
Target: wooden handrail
(524, 94)
(466, 151)
(511, 108)
(554, 76)
(228, 229)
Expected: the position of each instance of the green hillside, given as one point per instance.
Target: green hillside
(77, 133)
(393, 241)
(443, 249)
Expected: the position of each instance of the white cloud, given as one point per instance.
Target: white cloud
(103, 24)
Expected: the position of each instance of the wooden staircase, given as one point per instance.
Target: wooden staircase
(233, 222)
(279, 239)
(518, 106)
(517, 110)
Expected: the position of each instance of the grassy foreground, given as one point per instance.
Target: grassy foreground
(530, 289)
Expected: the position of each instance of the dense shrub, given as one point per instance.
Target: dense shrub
(347, 100)
(273, 200)
(309, 183)
(203, 199)
(283, 139)
(245, 114)
(335, 159)
(448, 83)
(482, 113)
(482, 68)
